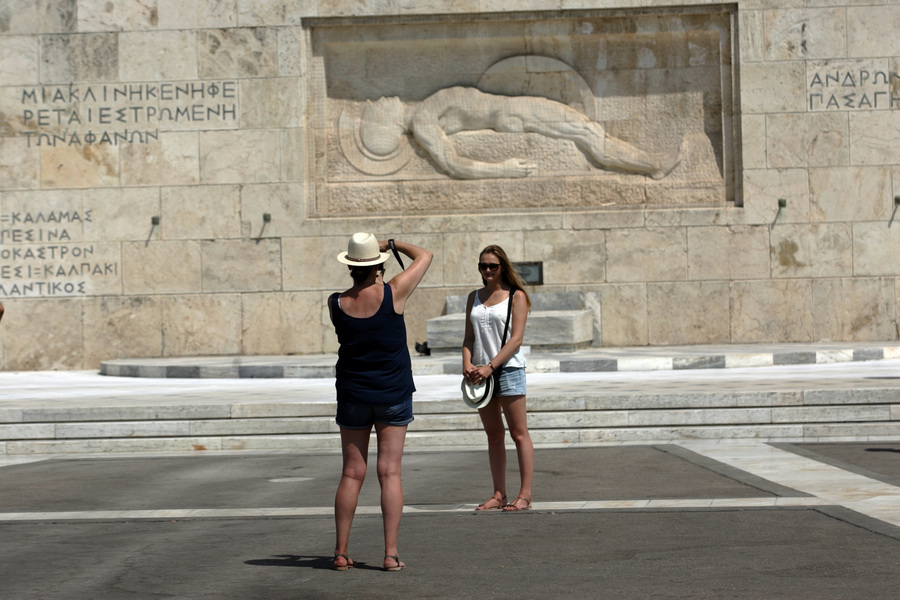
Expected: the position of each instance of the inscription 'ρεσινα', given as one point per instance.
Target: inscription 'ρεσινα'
(39, 257)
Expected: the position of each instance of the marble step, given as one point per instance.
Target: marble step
(444, 362)
(785, 405)
(310, 425)
(469, 420)
(437, 439)
(547, 331)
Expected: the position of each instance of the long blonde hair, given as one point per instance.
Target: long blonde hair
(507, 271)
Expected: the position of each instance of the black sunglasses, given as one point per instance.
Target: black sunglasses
(488, 266)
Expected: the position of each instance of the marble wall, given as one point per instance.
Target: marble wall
(176, 179)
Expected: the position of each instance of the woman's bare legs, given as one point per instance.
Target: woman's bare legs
(492, 420)
(355, 450)
(517, 419)
(391, 439)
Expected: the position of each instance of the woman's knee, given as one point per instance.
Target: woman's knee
(354, 469)
(388, 474)
(354, 475)
(389, 465)
(495, 435)
(520, 435)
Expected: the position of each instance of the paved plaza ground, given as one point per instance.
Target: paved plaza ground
(609, 522)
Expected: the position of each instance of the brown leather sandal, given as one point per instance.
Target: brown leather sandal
(338, 567)
(501, 502)
(512, 506)
(400, 566)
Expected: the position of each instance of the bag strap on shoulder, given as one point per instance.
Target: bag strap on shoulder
(512, 292)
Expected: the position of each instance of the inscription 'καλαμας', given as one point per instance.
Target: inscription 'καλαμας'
(40, 258)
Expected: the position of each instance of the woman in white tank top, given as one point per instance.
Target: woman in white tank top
(487, 310)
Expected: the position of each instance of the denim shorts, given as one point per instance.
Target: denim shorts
(363, 416)
(510, 382)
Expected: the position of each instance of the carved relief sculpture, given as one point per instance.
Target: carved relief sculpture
(386, 121)
(619, 111)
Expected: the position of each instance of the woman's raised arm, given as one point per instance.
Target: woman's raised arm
(405, 282)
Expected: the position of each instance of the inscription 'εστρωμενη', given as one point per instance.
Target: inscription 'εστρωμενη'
(95, 115)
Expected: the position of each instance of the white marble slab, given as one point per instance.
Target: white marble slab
(825, 482)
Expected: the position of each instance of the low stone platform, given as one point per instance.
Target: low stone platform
(548, 331)
(645, 358)
(558, 321)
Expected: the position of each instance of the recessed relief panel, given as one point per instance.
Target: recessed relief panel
(584, 112)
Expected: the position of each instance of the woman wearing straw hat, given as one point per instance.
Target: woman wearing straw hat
(488, 314)
(374, 382)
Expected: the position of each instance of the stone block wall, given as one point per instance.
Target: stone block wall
(172, 179)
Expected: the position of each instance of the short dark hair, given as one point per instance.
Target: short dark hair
(360, 274)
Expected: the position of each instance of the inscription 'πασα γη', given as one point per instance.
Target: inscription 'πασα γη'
(852, 89)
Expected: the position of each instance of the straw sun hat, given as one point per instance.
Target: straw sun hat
(477, 395)
(363, 251)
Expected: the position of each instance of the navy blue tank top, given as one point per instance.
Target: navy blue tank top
(373, 364)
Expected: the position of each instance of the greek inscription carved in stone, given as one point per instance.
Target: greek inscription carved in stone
(75, 116)
(853, 89)
(39, 258)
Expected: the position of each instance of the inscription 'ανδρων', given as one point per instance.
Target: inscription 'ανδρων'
(856, 89)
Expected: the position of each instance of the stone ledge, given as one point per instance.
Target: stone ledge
(830, 432)
(540, 360)
(547, 330)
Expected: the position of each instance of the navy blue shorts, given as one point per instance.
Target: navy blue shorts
(363, 416)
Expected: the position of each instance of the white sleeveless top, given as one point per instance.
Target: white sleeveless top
(487, 323)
